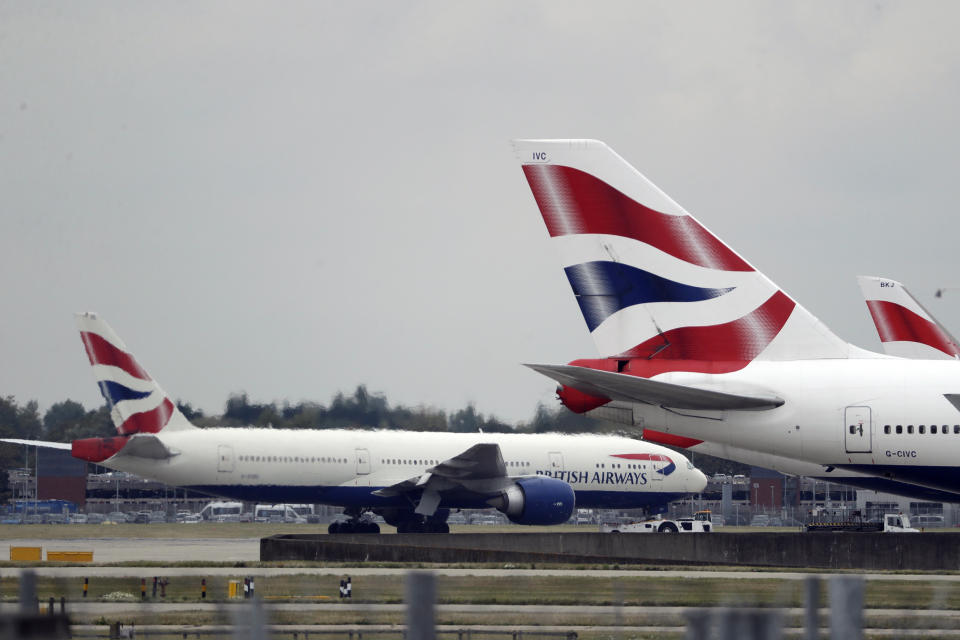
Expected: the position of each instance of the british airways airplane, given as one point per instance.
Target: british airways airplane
(905, 327)
(703, 351)
(412, 479)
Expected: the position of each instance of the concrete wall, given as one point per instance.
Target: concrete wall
(863, 551)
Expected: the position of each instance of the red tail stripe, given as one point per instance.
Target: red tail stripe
(737, 342)
(99, 351)
(574, 202)
(148, 421)
(896, 323)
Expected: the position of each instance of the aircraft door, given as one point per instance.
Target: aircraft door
(224, 458)
(556, 464)
(858, 429)
(363, 462)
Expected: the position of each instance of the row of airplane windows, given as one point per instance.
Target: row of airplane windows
(292, 459)
(920, 428)
(510, 463)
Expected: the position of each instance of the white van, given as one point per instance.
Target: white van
(222, 511)
(277, 513)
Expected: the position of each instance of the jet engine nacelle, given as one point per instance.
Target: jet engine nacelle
(539, 500)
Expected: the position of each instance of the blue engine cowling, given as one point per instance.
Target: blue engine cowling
(539, 500)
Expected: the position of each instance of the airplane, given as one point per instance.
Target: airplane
(701, 350)
(411, 479)
(905, 326)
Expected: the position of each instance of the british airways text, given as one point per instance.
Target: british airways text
(598, 477)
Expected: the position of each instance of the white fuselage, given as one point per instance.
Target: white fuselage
(344, 467)
(886, 417)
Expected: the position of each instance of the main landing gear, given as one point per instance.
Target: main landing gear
(406, 521)
(422, 526)
(356, 524)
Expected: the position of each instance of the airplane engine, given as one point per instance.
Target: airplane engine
(578, 401)
(539, 500)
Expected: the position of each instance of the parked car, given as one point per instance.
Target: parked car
(117, 517)
(192, 518)
(95, 518)
(78, 518)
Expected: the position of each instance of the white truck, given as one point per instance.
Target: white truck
(699, 523)
(891, 523)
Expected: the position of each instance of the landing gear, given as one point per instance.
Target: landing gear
(422, 526)
(406, 521)
(356, 524)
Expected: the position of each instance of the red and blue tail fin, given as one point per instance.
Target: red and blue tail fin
(905, 327)
(137, 403)
(651, 281)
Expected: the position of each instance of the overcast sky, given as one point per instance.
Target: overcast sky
(291, 199)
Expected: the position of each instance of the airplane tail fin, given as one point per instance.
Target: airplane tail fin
(651, 281)
(906, 328)
(137, 403)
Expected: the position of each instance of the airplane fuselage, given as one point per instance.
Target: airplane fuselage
(886, 417)
(345, 467)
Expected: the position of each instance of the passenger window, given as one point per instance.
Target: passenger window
(956, 428)
(886, 429)
(922, 429)
(899, 428)
(945, 429)
(853, 429)
(909, 428)
(933, 428)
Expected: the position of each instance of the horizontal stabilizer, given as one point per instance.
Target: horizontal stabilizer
(39, 443)
(146, 445)
(619, 386)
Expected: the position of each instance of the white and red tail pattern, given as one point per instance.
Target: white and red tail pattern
(905, 327)
(137, 403)
(651, 281)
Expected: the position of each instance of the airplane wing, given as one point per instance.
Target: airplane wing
(619, 386)
(479, 469)
(39, 443)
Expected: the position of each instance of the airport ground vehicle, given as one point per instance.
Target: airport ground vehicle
(221, 511)
(699, 523)
(278, 513)
(891, 523)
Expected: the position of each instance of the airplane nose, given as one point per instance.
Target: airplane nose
(699, 481)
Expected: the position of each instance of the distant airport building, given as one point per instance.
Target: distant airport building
(60, 476)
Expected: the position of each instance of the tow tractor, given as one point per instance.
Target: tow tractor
(699, 523)
(891, 523)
